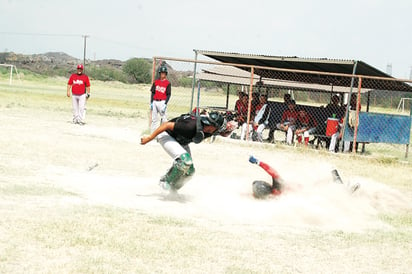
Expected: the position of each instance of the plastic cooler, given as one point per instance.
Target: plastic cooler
(332, 126)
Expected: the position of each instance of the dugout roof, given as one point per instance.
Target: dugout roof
(322, 65)
(233, 75)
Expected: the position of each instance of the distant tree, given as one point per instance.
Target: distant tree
(139, 70)
(106, 73)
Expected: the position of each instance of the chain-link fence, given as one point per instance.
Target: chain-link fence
(330, 111)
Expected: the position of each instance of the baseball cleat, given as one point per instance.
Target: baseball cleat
(164, 184)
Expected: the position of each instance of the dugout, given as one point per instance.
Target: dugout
(323, 75)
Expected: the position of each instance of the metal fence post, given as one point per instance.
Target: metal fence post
(355, 130)
(153, 69)
(348, 104)
(194, 81)
(249, 106)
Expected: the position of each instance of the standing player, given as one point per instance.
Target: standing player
(161, 92)
(79, 85)
(175, 137)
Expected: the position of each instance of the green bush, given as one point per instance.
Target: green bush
(139, 70)
(185, 82)
(106, 74)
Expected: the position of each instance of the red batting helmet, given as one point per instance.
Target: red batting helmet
(80, 66)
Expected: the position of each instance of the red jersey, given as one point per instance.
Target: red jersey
(241, 110)
(289, 116)
(161, 90)
(79, 83)
(306, 121)
(258, 107)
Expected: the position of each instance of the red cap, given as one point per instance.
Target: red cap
(80, 66)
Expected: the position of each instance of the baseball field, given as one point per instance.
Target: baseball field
(85, 199)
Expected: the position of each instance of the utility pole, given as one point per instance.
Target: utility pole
(389, 69)
(84, 50)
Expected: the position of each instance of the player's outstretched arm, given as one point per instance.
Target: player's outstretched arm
(271, 171)
(163, 127)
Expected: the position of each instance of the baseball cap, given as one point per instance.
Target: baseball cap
(80, 66)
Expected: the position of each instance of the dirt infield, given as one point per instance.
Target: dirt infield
(103, 164)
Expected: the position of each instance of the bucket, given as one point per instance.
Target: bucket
(332, 126)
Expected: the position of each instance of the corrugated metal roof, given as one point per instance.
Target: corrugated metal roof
(276, 58)
(233, 75)
(310, 64)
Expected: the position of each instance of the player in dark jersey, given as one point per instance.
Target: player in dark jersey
(175, 137)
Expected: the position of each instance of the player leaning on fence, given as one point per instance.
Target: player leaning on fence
(79, 85)
(161, 92)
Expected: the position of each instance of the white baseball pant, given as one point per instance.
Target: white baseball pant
(308, 132)
(171, 146)
(244, 130)
(289, 132)
(333, 141)
(259, 131)
(158, 108)
(79, 104)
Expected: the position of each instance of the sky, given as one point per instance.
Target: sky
(374, 31)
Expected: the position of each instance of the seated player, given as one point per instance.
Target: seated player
(305, 125)
(261, 122)
(288, 122)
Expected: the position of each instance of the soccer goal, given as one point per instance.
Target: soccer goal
(401, 105)
(10, 68)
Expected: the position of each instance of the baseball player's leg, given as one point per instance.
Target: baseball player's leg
(180, 172)
(289, 135)
(182, 167)
(333, 141)
(259, 131)
(307, 133)
(163, 107)
(243, 131)
(154, 116)
(75, 105)
(82, 105)
(245, 128)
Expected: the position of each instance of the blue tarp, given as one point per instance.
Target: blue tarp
(381, 128)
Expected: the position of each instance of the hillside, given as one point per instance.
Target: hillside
(53, 63)
(62, 64)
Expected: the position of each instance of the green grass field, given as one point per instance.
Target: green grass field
(51, 221)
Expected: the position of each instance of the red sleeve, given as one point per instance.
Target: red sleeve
(269, 170)
(87, 82)
(70, 80)
(237, 105)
